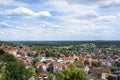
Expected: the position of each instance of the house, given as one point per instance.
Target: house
(97, 73)
(45, 59)
(86, 68)
(62, 55)
(68, 59)
(60, 60)
(27, 63)
(22, 52)
(114, 76)
(40, 64)
(54, 66)
(106, 63)
(12, 51)
(57, 66)
(41, 72)
(37, 64)
(65, 66)
(86, 61)
(80, 66)
(21, 57)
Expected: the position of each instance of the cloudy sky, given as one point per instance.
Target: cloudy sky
(59, 19)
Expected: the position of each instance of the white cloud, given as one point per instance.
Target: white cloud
(5, 2)
(81, 19)
(1, 32)
(64, 7)
(74, 19)
(30, 28)
(12, 3)
(21, 11)
(38, 30)
(85, 2)
(110, 3)
(3, 25)
(99, 3)
(108, 18)
(91, 14)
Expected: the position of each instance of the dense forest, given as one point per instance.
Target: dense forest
(65, 43)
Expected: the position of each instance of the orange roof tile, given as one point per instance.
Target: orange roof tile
(43, 74)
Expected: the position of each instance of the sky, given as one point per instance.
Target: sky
(59, 20)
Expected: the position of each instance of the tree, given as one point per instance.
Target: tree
(51, 54)
(13, 69)
(75, 74)
(78, 61)
(35, 60)
(71, 66)
(38, 53)
(117, 64)
(71, 74)
(59, 75)
(17, 71)
(51, 77)
(28, 73)
(1, 51)
(6, 57)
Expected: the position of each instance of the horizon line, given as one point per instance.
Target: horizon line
(56, 40)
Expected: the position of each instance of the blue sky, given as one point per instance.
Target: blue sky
(59, 19)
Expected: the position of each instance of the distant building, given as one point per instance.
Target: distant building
(114, 76)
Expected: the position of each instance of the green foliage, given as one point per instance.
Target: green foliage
(51, 54)
(117, 64)
(12, 69)
(6, 57)
(28, 73)
(77, 61)
(1, 51)
(59, 75)
(15, 71)
(35, 60)
(71, 74)
(78, 74)
(51, 77)
(112, 70)
(72, 66)
(6, 44)
(35, 76)
(38, 53)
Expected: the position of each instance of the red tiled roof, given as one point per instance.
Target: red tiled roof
(65, 66)
(8, 50)
(95, 60)
(58, 65)
(21, 57)
(43, 74)
(68, 58)
(39, 64)
(21, 51)
(82, 58)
